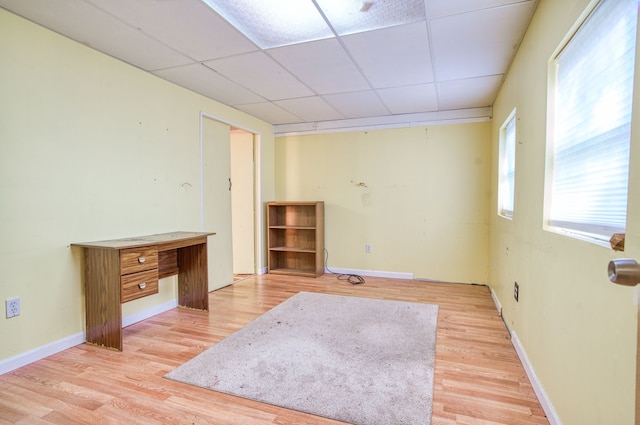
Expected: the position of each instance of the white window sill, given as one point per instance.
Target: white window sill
(586, 237)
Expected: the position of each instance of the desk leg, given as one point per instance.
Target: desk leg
(102, 298)
(193, 282)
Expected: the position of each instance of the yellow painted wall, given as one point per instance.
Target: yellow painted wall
(91, 149)
(578, 329)
(423, 205)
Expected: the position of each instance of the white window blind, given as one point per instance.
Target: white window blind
(592, 122)
(507, 167)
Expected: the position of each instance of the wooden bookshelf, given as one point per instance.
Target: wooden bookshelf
(296, 238)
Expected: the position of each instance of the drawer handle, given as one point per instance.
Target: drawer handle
(142, 285)
(141, 260)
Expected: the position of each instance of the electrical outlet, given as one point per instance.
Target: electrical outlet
(13, 307)
(516, 291)
(369, 248)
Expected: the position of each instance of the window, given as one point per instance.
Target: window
(590, 116)
(507, 166)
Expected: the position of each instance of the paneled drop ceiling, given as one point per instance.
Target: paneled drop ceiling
(384, 63)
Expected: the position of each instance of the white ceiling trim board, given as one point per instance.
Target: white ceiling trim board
(460, 116)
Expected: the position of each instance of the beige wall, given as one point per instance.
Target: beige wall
(578, 329)
(423, 207)
(90, 149)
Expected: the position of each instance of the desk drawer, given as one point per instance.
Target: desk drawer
(138, 259)
(139, 285)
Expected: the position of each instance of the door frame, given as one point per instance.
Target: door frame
(257, 184)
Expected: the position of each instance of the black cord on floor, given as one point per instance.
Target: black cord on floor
(353, 279)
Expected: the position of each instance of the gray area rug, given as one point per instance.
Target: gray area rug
(356, 360)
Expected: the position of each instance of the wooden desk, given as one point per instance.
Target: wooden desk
(121, 270)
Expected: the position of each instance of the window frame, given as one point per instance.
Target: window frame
(506, 174)
(556, 226)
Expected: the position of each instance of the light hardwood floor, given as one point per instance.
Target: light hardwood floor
(478, 377)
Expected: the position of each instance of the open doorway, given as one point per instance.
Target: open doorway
(242, 154)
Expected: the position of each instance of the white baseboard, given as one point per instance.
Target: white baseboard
(150, 312)
(38, 353)
(372, 273)
(23, 359)
(552, 416)
(496, 301)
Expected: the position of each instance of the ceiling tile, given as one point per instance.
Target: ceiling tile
(260, 74)
(269, 112)
(207, 82)
(393, 57)
(323, 65)
(437, 8)
(469, 93)
(450, 57)
(479, 43)
(88, 25)
(310, 108)
(357, 105)
(187, 25)
(412, 99)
